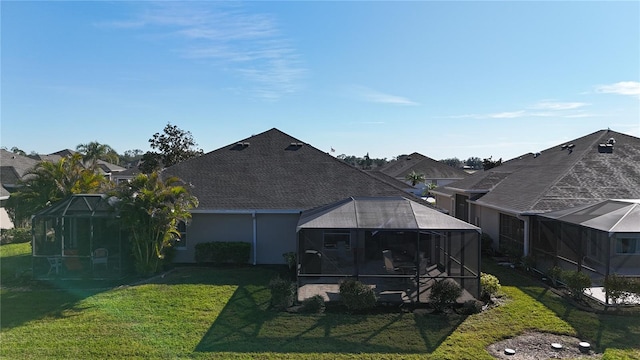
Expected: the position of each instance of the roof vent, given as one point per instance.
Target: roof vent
(240, 146)
(605, 148)
(564, 146)
(536, 155)
(611, 141)
(294, 146)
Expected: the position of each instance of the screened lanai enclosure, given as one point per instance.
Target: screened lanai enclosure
(78, 238)
(599, 239)
(397, 246)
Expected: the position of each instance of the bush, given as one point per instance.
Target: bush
(620, 288)
(471, 307)
(576, 282)
(15, 235)
(357, 296)
(554, 274)
(489, 284)
(487, 244)
(313, 305)
(223, 252)
(443, 293)
(282, 293)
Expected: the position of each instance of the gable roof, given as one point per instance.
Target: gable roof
(273, 170)
(14, 166)
(391, 213)
(432, 169)
(577, 172)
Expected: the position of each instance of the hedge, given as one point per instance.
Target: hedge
(223, 252)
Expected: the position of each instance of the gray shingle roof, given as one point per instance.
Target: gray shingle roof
(273, 170)
(14, 166)
(432, 169)
(558, 178)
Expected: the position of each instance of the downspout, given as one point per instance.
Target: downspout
(255, 236)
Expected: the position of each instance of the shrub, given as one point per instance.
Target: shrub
(487, 244)
(489, 284)
(471, 307)
(357, 296)
(282, 293)
(443, 293)
(576, 282)
(313, 305)
(15, 235)
(223, 252)
(620, 288)
(554, 274)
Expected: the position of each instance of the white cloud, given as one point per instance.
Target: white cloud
(507, 115)
(374, 96)
(631, 88)
(556, 105)
(545, 108)
(249, 44)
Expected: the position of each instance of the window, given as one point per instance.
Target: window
(181, 243)
(628, 246)
(331, 239)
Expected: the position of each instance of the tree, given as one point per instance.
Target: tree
(131, 156)
(453, 162)
(49, 182)
(474, 163)
(18, 151)
(414, 178)
(94, 151)
(151, 210)
(490, 164)
(174, 145)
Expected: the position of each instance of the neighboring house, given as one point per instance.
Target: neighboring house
(435, 172)
(109, 170)
(125, 175)
(254, 191)
(504, 200)
(13, 168)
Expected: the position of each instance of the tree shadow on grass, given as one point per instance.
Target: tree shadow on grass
(40, 300)
(601, 330)
(246, 325)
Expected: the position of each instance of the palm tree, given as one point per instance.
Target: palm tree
(151, 210)
(414, 178)
(94, 151)
(49, 182)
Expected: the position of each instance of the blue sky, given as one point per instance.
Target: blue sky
(445, 79)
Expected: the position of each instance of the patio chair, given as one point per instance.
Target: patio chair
(392, 268)
(100, 256)
(54, 263)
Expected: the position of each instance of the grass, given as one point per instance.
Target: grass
(210, 313)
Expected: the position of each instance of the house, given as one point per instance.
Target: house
(265, 189)
(254, 190)
(105, 168)
(504, 201)
(13, 168)
(435, 172)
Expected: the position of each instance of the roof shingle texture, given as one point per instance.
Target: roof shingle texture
(268, 172)
(14, 166)
(559, 178)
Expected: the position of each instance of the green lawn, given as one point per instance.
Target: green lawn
(223, 313)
